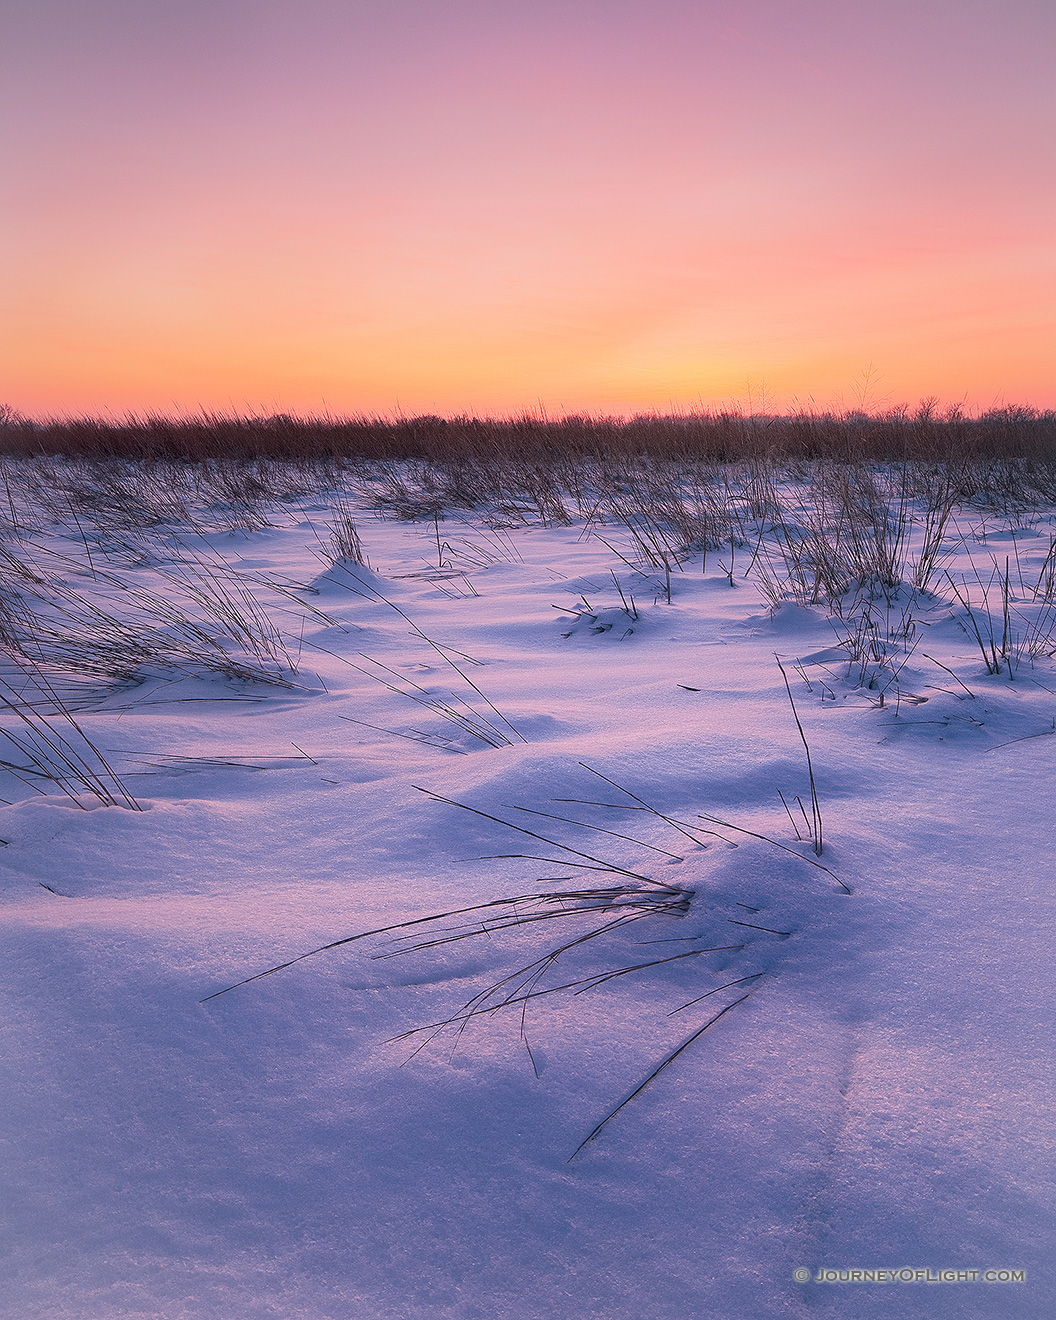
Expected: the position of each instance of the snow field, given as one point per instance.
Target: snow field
(882, 1096)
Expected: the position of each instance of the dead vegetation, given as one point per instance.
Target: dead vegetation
(541, 445)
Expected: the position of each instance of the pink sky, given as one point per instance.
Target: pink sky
(466, 205)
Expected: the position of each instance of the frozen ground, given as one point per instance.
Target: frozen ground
(879, 1096)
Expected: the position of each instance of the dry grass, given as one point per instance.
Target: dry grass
(818, 524)
(542, 446)
(590, 919)
(50, 748)
(207, 620)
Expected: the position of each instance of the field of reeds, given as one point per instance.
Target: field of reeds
(925, 433)
(110, 570)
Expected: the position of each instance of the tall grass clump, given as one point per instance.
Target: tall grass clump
(50, 748)
(573, 927)
(344, 542)
(203, 617)
(1008, 627)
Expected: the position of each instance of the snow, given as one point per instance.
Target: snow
(879, 1096)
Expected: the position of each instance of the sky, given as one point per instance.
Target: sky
(448, 206)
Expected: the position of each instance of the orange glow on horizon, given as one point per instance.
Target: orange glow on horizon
(365, 213)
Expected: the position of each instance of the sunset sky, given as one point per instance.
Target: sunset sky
(482, 206)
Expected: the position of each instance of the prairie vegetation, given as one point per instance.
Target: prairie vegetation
(112, 567)
(926, 433)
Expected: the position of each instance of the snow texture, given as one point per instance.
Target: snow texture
(879, 1095)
